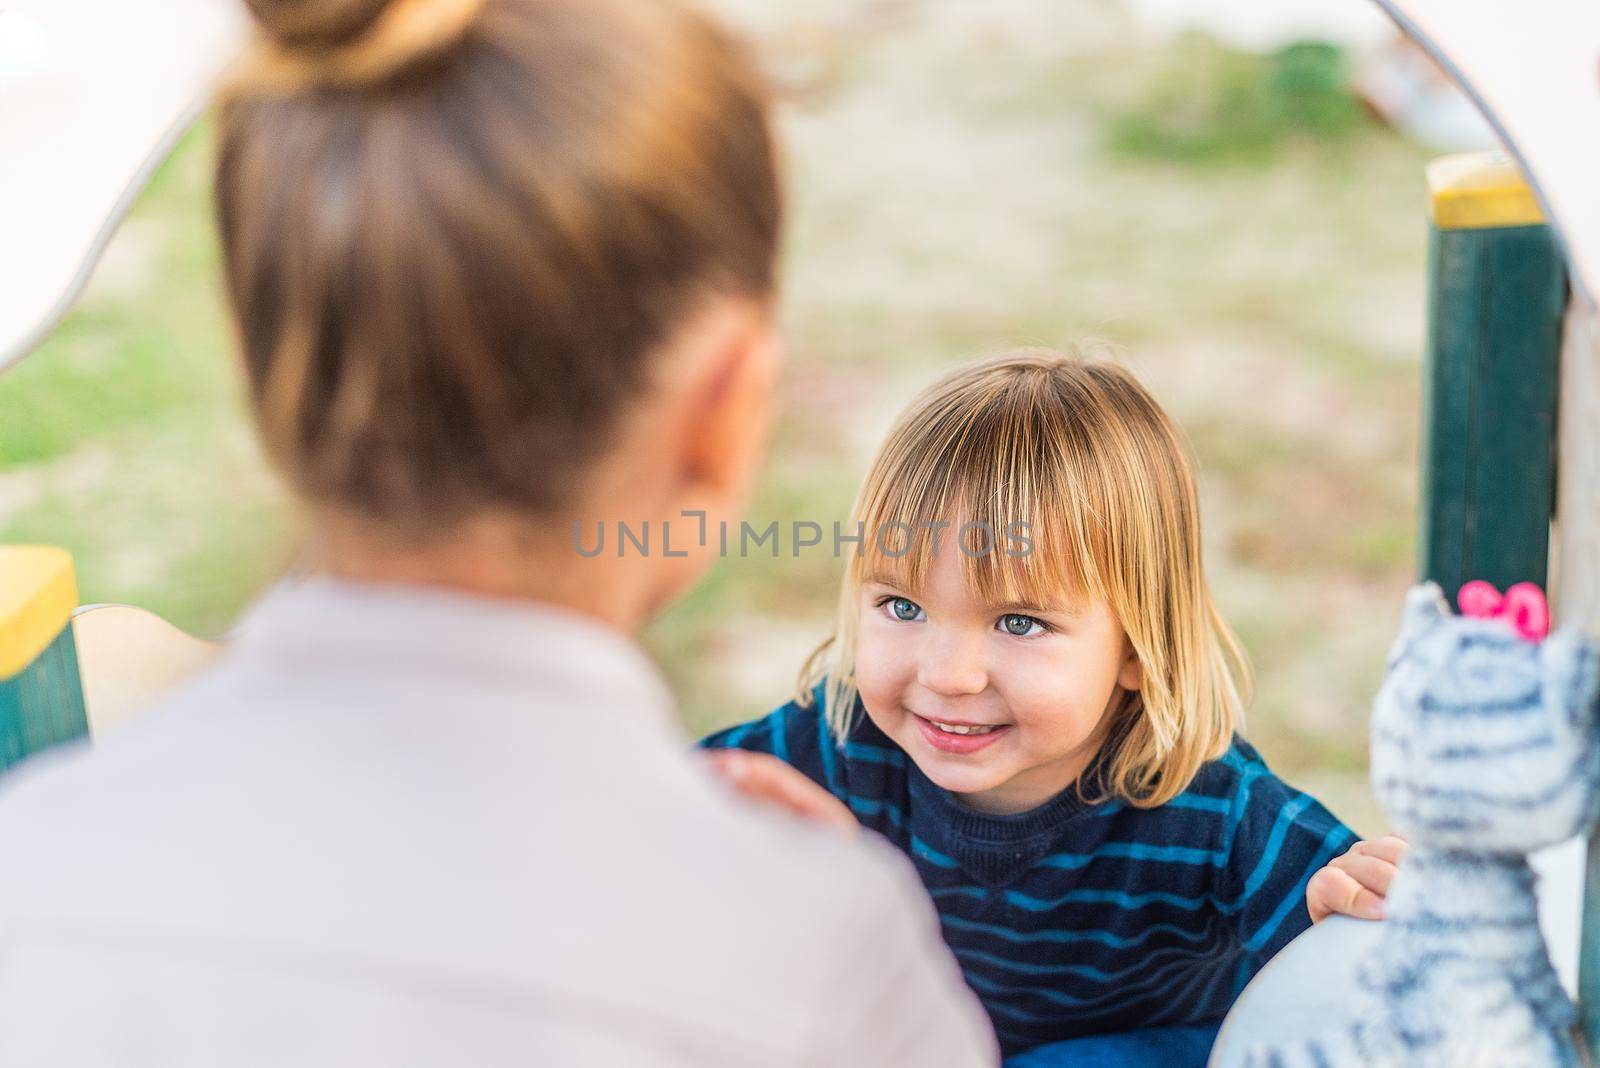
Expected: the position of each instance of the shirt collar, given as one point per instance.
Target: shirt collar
(324, 623)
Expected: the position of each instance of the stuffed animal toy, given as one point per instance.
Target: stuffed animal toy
(1484, 748)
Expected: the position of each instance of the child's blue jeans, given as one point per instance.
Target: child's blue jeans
(1152, 1047)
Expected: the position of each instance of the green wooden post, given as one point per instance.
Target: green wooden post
(1497, 290)
(41, 696)
(1497, 294)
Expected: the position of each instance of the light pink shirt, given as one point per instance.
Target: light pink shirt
(407, 827)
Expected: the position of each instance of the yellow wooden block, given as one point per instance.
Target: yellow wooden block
(1480, 191)
(37, 595)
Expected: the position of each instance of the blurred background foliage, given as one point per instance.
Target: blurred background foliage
(965, 178)
(1208, 103)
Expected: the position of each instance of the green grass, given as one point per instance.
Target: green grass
(124, 437)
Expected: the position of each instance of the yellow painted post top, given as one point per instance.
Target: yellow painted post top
(1480, 191)
(37, 595)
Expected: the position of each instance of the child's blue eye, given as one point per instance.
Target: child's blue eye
(903, 609)
(1020, 626)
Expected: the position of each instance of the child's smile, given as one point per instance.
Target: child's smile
(954, 736)
(1002, 704)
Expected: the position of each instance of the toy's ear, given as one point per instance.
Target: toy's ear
(1425, 608)
(1571, 669)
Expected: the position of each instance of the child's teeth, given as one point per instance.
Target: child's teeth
(951, 728)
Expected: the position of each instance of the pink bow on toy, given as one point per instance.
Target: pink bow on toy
(1523, 606)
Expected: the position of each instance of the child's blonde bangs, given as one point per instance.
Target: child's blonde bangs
(1055, 479)
(1016, 545)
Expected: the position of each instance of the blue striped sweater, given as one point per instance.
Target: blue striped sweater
(1076, 919)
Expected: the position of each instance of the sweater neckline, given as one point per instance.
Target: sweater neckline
(984, 829)
(993, 849)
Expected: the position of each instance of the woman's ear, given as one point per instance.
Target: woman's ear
(724, 425)
(1132, 674)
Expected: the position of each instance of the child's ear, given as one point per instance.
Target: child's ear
(1132, 673)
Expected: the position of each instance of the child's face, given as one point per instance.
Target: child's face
(1043, 677)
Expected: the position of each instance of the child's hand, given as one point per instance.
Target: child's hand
(1356, 883)
(766, 778)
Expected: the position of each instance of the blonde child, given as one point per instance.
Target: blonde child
(1031, 693)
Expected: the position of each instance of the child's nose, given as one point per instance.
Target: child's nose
(952, 663)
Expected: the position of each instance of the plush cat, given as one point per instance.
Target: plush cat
(1484, 747)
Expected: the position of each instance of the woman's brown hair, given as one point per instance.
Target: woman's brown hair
(454, 231)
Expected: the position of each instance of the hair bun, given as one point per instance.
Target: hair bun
(315, 23)
(347, 43)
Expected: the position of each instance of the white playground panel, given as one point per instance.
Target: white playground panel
(93, 95)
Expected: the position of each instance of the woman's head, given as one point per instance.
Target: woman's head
(465, 241)
(1030, 576)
